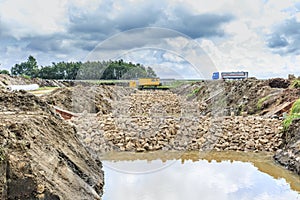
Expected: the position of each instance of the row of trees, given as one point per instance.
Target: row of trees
(78, 70)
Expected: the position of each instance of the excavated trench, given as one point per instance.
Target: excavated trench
(212, 118)
(46, 153)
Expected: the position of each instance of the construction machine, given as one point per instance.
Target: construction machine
(145, 83)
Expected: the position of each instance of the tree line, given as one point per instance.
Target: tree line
(91, 70)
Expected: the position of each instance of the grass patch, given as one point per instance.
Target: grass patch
(296, 107)
(194, 92)
(178, 83)
(42, 90)
(261, 101)
(46, 88)
(294, 114)
(295, 84)
(25, 76)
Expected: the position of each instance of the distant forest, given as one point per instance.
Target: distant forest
(110, 70)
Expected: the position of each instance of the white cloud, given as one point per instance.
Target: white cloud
(250, 56)
(244, 42)
(28, 18)
(192, 180)
(245, 48)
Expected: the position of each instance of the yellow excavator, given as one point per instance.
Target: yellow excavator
(146, 83)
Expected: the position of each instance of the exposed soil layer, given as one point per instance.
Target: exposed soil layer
(18, 80)
(289, 155)
(249, 96)
(92, 99)
(40, 154)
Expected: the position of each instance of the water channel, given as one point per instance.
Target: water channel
(195, 175)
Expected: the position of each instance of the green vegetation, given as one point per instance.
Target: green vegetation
(194, 92)
(25, 76)
(47, 88)
(295, 84)
(178, 83)
(4, 72)
(296, 107)
(122, 70)
(28, 68)
(108, 70)
(294, 114)
(261, 101)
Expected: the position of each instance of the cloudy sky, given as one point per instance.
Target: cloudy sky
(190, 38)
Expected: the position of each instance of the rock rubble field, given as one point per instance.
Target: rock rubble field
(160, 120)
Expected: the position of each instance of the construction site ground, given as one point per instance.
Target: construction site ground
(45, 152)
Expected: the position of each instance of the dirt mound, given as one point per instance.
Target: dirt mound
(40, 154)
(19, 80)
(249, 96)
(92, 99)
(225, 97)
(9, 80)
(21, 101)
(49, 83)
(279, 83)
(289, 156)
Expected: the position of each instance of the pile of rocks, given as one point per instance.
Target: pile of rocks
(134, 129)
(154, 104)
(151, 103)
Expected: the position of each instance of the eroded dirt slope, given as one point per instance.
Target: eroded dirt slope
(40, 154)
(289, 156)
(249, 96)
(92, 99)
(18, 80)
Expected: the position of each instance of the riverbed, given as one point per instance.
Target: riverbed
(197, 175)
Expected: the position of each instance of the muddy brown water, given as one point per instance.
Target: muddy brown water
(194, 176)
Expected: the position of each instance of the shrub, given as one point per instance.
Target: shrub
(295, 84)
(194, 92)
(261, 101)
(294, 114)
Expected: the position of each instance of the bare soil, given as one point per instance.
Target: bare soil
(289, 155)
(40, 154)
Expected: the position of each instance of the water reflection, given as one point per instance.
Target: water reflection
(195, 176)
